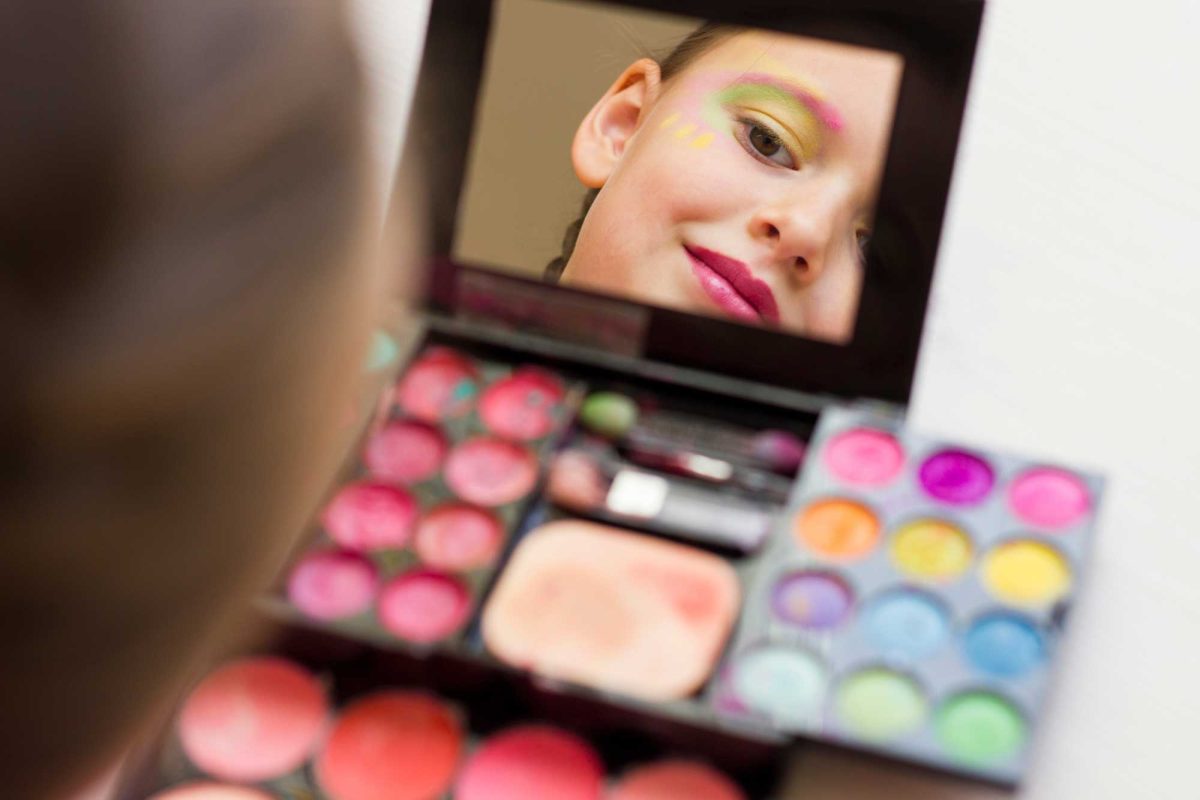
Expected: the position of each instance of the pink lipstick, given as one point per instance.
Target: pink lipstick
(730, 284)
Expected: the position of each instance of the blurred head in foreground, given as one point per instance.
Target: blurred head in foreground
(185, 299)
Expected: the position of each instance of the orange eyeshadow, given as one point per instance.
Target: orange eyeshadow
(612, 610)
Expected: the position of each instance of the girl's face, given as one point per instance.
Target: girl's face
(743, 186)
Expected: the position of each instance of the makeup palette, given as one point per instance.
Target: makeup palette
(407, 544)
(268, 727)
(912, 598)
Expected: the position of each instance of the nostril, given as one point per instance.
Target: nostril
(801, 265)
(772, 232)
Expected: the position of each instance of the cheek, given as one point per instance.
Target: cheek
(683, 182)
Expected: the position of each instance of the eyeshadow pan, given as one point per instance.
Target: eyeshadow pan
(612, 610)
(253, 720)
(441, 384)
(931, 549)
(675, 780)
(490, 472)
(956, 477)
(864, 457)
(405, 452)
(423, 606)
(906, 623)
(1026, 572)
(532, 761)
(370, 516)
(1004, 644)
(332, 584)
(457, 537)
(979, 727)
(390, 745)
(879, 704)
(204, 790)
(838, 528)
(522, 406)
(812, 599)
(784, 683)
(1049, 498)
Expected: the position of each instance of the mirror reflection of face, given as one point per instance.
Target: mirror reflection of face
(743, 186)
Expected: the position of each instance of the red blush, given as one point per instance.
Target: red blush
(457, 537)
(424, 606)
(390, 746)
(532, 761)
(405, 452)
(333, 585)
(253, 720)
(442, 384)
(674, 780)
(370, 516)
(490, 472)
(521, 406)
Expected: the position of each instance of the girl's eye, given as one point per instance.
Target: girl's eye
(764, 144)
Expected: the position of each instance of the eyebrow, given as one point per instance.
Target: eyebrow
(824, 111)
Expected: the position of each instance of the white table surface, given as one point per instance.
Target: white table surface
(1063, 325)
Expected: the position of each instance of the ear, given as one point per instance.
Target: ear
(608, 127)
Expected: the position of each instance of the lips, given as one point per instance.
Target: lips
(732, 287)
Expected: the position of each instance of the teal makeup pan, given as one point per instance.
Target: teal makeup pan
(912, 598)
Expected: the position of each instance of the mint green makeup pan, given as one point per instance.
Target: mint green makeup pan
(880, 704)
(979, 727)
(784, 683)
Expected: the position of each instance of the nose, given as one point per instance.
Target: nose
(800, 229)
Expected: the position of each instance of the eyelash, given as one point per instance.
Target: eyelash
(742, 133)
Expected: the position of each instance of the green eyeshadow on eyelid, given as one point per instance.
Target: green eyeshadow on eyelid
(810, 138)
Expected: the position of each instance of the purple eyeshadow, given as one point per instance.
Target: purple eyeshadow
(956, 477)
(813, 600)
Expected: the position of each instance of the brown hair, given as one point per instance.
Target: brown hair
(691, 47)
(182, 185)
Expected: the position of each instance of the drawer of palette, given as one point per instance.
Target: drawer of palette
(912, 598)
(406, 545)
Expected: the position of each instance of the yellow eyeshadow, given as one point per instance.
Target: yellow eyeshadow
(933, 549)
(685, 131)
(1026, 573)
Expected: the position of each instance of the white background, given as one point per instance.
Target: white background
(1063, 325)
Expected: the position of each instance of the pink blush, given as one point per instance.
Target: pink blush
(442, 384)
(674, 780)
(864, 457)
(253, 720)
(1049, 498)
(210, 791)
(532, 761)
(457, 537)
(490, 472)
(405, 452)
(333, 585)
(521, 406)
(424, 606)
(370, 516)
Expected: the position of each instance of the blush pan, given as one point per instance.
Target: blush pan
(675, 780)
(203, 790)
(532, 761)
(333, 584)
(442, 384)
(390, 745)
(405, 452)
(424, 606)
(522, 406)
(457, 537)
(488, 471)
(253, 720)
(612, 610)
(368, 515)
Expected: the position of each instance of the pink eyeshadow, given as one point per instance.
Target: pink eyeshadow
(424, 606)
(253, 720)
(864, 457)
(676, 780)
(333, 585)
(457, 537)
(532, 761)
(405, 452)
(490, 472)
(210, 791)
(442, 384)
(370, 516)
(1049, 498)
(523, 405)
